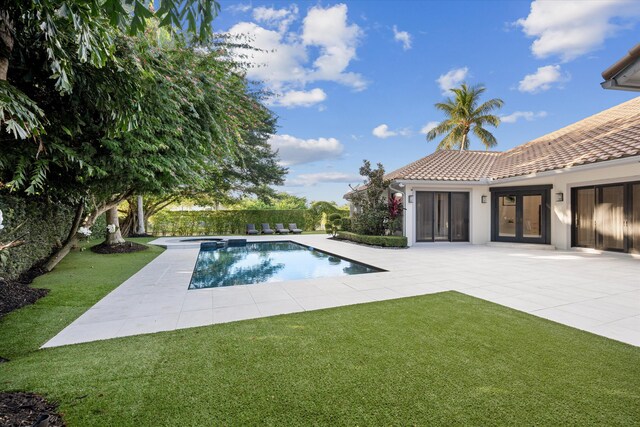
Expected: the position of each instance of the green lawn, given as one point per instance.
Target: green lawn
(445, 359)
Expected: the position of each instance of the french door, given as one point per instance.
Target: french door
(520, 214)
(442, 216)
(607, 217)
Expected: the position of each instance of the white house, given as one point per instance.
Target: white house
(576, 187)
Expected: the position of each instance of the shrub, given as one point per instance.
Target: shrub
(386, 241)
(200, 223)
(334, 222)
(346, 224)
(44, 226)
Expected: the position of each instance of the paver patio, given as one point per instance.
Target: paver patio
(599, 293)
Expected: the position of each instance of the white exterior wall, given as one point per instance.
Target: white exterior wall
(479, 213)
(562, 180)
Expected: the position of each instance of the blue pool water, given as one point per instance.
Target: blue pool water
(268, 262)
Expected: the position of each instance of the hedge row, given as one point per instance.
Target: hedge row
(201, 223)
(45, 225)
(387, 241)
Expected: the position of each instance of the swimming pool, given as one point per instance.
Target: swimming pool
(258, 262)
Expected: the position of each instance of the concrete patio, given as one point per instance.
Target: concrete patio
(599, 293)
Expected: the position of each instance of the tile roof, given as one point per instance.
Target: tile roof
(608, 135)
(448, 165)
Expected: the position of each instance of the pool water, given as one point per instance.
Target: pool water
(268, 262)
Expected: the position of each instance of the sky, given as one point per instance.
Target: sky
(358, 80)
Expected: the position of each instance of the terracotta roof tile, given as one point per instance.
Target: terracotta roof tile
(448, 165)
(608, 135)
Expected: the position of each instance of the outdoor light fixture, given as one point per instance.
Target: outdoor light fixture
(410, 198)
(483, 199)
(559, 197)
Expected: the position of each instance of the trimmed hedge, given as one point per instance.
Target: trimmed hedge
(45, 225)
(202, 223)
(386, 241)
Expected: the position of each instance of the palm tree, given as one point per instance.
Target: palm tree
(464, 116)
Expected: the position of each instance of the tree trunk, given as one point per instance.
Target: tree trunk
(141, 229)
(70, 242)
(6, 38)
(464, 142)
(114, 238)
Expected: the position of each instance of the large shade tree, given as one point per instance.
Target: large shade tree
(465, 114)
(92, 26)
(151, 119)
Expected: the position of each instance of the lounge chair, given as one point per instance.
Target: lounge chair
(266, 229)
(281, 230)
(293, 228)
(251, 229)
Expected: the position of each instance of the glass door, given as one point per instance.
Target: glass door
(442, 216)
(441, 219)
(584, 217)
(610, 218)
(633, 223)
(459, 217)
(520, 215)
(424, 216)
(607, 217)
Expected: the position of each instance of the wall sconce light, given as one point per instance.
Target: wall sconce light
(410, 198)
(483, 199)
(559, 197)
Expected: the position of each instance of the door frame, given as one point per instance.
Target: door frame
(528, 190)
(627, 205)
(433, 219)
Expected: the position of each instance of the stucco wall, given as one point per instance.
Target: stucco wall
(562, 181)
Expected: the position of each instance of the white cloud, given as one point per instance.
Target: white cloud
(384, 132)
(543, 79)
(328, 29)
(452, 79)
(238, 8)
(426, 128)
(278, 61)
(402, 37)
(321, 50)
(276, 18)
(299, 98)
(570, 29)
(526, 115)
(295, 151)
(312, 179)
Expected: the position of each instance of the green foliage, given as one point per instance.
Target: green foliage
(334, 223)
(43, 226)
(321, 209)
(386, 241)
(346, 224)
(278, 201)
(19, 115)
(70, 33)
(464, 115)
(200, 223)
(373, 215)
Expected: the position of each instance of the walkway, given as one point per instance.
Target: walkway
(596, 293)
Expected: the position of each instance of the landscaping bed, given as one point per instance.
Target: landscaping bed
(28, 409)
(382, 241)
(15, 294)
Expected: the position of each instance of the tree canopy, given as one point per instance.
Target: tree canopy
(72, 32)
(464, 115)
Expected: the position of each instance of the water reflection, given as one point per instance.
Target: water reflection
(268, 262)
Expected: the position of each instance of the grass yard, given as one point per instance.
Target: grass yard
(444, 359)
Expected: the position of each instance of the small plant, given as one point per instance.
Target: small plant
(334, 224)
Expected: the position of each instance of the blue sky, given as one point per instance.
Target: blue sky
(357, 80)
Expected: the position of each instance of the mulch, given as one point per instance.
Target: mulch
(26, 409)
(17, 293)
(122, 248)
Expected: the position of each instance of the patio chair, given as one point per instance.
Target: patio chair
(293, 228)
(251, 229)
(281, 230)
(266, 229)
